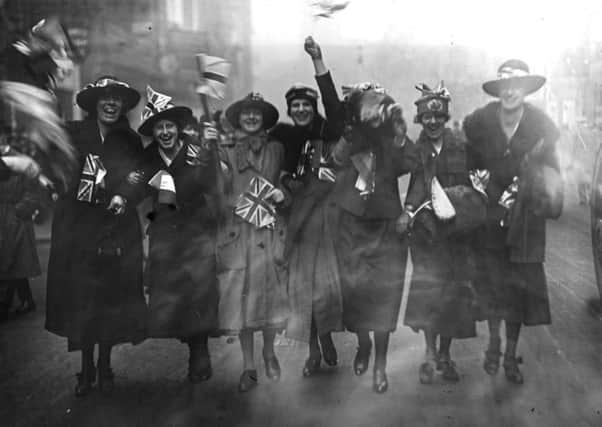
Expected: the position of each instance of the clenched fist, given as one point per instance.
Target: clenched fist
(312, 48)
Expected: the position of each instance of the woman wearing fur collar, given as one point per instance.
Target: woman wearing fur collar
(513, 140)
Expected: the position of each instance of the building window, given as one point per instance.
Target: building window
(175, 12)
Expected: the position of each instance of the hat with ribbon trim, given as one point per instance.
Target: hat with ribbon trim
(90, 94)
(514, 72)
(159, 107)
(435, 101)
(253, 100)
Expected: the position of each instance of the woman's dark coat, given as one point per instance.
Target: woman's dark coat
(180, 273)
(440, 292)
(94, 286)
(512, 288)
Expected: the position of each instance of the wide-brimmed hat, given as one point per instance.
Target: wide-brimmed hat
(434, 101)
(253, 100)
(301, 91)
(159, 107)
(516, 72)
(89, 95)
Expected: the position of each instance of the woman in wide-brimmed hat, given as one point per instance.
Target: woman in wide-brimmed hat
(251, 270)
(439, 301)
(177, 171)
(503, 137)
(94, 287)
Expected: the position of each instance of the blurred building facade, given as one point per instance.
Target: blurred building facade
(144, 42)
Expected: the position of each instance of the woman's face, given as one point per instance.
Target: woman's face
(250, 120)
(302, 112)
(433, 125)
(512, 96)
(109, 108)
(165, 132)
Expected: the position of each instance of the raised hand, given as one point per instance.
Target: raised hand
(312, 48)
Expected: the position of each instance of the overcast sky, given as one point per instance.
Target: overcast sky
(530, 29)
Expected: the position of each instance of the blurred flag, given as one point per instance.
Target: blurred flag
(253, 205)
(92, 177)
(213, 74)
(326, 8)
(164, 183)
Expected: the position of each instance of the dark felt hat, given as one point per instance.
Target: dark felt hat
(159, 107)
(89, 95)
(253, 100)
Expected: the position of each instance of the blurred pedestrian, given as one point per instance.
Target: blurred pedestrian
(314, 285)
(19, 199)
(94, 289)
(372, 258)
(251, 268)
(176, 169)
(439, 301)
(516, 143)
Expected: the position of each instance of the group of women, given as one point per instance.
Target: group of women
(259, 225)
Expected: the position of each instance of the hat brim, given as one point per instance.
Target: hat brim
(530, 84)
(174, 114)
(268, 111)
(87, 98)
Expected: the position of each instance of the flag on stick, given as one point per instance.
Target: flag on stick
(213, 74)
(253, 205)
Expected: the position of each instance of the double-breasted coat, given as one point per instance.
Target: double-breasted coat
(440, 296)
(180, 271)
(94, 287)
(513, 288)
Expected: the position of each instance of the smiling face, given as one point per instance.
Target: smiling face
(250, 120)
(109, 108)
(302, 112)
(433, 125)
(165, 132)
(512, 96)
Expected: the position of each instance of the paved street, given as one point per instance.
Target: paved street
(563, 372)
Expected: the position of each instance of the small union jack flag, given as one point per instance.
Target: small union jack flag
(156, 102)
(253, 205)
(93, 174)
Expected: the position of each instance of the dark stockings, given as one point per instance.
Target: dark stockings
(381, 346)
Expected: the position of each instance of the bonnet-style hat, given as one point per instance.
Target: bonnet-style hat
(159, 107)
(514, 71)
(253, 100)
(89, 95)
(434, 101)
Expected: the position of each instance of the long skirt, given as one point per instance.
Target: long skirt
(181, 277)
(441, 297)
(314, 285)
(372, 264)
(252, 276)
(511, 291)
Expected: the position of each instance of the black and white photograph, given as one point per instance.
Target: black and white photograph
(300, 213)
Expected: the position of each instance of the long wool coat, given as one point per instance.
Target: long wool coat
(314, 285)
(251, 269)
(440, 296)
(180, 272)
(515, 291)
(18, 255)
(89, 293)
(372, 256)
